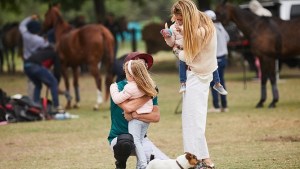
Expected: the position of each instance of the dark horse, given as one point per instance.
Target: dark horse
(270, 38)
(11, 40)
(152, 38)
(91, 44)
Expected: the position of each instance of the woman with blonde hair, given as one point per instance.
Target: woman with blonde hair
(200, 45)
(139, 84)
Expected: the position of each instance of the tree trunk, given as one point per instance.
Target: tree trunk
(99, 10)
(204, 5)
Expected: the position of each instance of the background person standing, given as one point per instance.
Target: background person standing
(222, 52)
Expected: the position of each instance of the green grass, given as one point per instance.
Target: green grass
(244, 137)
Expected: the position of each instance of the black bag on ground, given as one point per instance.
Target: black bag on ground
(4, 99)
(24, 109)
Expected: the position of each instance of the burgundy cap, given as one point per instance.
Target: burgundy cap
(137, 55)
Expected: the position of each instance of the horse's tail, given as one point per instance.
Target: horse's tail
(109, 43)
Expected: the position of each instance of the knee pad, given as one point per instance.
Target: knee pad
(124, 147)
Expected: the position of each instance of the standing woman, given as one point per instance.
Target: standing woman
(200, 44)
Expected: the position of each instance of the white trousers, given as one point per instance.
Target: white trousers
(138, 130)
(194, 113)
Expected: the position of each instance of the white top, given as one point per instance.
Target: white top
(222, 39)
(130, 91)
(31, 42)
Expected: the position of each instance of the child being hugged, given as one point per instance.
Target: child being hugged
(139, 84)
(174, 38)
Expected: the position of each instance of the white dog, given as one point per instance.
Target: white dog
(184, 161)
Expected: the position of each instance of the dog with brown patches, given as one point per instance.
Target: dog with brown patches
(184, 161)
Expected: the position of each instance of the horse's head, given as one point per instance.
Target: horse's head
(223, 12)
(51, 18)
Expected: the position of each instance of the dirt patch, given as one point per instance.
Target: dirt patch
(282, 139)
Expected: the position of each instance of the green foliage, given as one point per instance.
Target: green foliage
(134, 10)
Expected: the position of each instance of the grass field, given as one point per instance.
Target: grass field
(242, 138)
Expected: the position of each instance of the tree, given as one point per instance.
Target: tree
(204, 5)
(99, 10)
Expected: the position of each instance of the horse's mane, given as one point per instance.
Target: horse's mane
(55, 13)
(245, 19)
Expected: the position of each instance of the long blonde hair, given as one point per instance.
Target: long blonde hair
(193, 20)
(139, 73)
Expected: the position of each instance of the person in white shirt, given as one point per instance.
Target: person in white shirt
(29, 29)
(222, 52)
(200, 48)
(176, 33)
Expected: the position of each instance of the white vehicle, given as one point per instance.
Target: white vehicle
(284, 9)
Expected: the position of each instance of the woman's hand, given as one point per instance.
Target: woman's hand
(176, 51)
(34, 17)
(135, 115)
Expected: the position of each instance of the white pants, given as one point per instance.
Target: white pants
(138, 130)
(194, 113)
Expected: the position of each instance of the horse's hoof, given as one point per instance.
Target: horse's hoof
(76, 106)
(272, 105)
(67, 107)
(260, 105)
(96, 108)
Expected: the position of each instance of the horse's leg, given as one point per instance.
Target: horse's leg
(108, 82)
(13, 65)
(1, 60)
(76, 86)
(273, 79)
(94, 70)
(9, 60)
(109, 75)
(67, 84)
(5, 58)
(264, 78)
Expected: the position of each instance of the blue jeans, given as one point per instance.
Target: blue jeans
(222, 62)
(38, 75)
(216, 76)
(182, 71)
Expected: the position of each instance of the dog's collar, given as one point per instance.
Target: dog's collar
(179, 165)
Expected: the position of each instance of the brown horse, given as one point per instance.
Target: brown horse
(11, 40)
(91, 44)
(152, 38)
(270, 38)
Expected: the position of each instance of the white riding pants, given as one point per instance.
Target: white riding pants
(194, 113)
